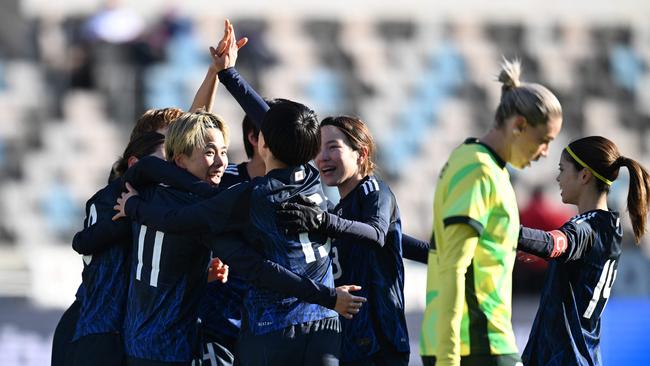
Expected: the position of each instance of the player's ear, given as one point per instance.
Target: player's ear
(363, 155)
(585, 176)
(131, 161)
(181, 161)
(519, 125)
(252, 138)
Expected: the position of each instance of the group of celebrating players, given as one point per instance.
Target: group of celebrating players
(190, 260)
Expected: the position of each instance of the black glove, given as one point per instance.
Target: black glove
(300, 216)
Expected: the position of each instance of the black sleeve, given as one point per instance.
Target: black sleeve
(570, 242)
(252, 267)
(251, 102)
(101, 236)
(372, 226)
(336, 226)
(415, 249)
(228, 211)
(152, 170)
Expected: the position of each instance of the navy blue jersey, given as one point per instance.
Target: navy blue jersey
(167, 280)
(377, 269)
(585, 253)
(305, 253)
(234, 174)
(105, 275)
(220, 310)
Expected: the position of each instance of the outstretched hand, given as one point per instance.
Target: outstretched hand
(348, 305)
(121, 201)
(225, 54)
(301, 215)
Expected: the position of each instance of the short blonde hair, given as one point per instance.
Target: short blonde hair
(190, 131)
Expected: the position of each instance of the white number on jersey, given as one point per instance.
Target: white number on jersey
(155, 258)
(308, 250)
(337, 271)
(603, 288)
(92, 219)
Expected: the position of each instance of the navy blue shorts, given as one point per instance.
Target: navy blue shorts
(315, 343)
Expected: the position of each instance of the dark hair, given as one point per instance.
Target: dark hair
(358, 137)
(153, 120)
(247, 126)
(142, 146)
(532, 101)
(602, 156)
(291, 132)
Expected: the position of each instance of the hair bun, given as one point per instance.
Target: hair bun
(510, 73)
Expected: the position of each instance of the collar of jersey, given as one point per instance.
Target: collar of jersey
(362, 181)
(495, 156)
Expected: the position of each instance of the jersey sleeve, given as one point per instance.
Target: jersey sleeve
(100, 231)
(336, 226)
(251, 102)
(101, 235)
(228, 211)
(260, 272)
(468, 198)
(152, 170)
(415, 249)
(568, 243)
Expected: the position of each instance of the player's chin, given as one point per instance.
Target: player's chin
(215, 179)
(329, 179)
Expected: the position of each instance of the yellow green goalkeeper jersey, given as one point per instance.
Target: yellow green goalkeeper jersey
(474, 189)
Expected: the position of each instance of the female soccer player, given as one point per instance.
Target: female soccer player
(476, 225)
(378, 334)
(583, 253)
(102, 295)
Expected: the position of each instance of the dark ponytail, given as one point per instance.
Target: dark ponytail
(603, 158)
(638, 197)
(140, 147)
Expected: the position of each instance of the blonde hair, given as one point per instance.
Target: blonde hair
(532, 101)
(190, 131)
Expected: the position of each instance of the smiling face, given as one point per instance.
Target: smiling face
(337, 162)
(532, 142)
(208, 162)
(569, 181)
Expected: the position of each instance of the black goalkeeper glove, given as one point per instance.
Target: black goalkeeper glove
(300, 216)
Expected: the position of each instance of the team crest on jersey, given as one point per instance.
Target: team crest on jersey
(369, 186)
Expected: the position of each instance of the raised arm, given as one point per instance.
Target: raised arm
(204, 98)
(251, 102)
(569, 242)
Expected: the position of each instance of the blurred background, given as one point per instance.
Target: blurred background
(75, 75)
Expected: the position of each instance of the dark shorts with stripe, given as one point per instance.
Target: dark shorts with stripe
(315, 343)
(217, 350)
(483, 360)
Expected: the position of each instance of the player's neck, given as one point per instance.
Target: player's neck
(255, 167)
(497, 142)
(349, 185)
(272, 163)
(590, 201)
